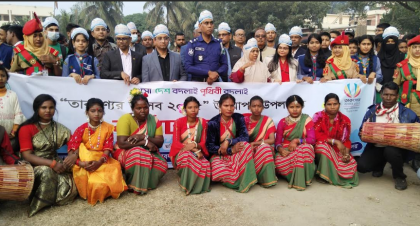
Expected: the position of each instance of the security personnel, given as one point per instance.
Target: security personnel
(205, 58)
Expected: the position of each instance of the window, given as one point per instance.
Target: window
(5, 17)
(16, 18)
(369, 22)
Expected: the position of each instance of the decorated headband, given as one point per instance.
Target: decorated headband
(295, 102)
(136, 92)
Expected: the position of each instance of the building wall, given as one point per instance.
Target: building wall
(10, 13)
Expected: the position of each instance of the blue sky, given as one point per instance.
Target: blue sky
(129, 7)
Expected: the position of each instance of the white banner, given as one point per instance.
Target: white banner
(166, 99)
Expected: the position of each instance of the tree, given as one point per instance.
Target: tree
(109, 11)
(139, 19)
(403, 15)
(175, 12)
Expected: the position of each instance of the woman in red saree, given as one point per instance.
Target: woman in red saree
(188, 150)
(294, 139)
(97, 176)
(230, 153)
(139, 137)
(332, 131)
(261, 131)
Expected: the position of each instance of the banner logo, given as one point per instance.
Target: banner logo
(348, 91)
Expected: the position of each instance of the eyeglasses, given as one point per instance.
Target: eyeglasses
(259, 36)
(240, 35)
(122, 39)
(166, 38)
(222, 35)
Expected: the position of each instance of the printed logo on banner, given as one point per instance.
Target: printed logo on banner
(351, 101)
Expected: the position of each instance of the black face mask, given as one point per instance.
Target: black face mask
(390, 47)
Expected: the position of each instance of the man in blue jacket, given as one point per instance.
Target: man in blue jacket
(375, 156)
(206, 58)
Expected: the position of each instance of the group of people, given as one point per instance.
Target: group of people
(238, 150)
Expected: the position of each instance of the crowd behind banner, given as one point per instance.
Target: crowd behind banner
(238, 150)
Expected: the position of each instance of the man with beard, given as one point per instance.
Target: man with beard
(101, 44)
(295, 35)
(233, 52)
(147, 41)
(271, 35)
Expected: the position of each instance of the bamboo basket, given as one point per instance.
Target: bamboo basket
(16, 182)
(401, 135)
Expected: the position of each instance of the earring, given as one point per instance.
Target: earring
(87, 119)
(220, 111)
(101, 121)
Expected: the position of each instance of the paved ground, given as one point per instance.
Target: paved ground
(373, 202)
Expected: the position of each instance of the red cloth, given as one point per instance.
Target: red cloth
(6, 152)
(77, 138)
(32, 26)
(285, 77)
(340, 40)
(26, 133)
(237, 76)
(415, 40)
(180, 126)
(339, 130)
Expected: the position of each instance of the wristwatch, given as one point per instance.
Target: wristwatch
(57, 62)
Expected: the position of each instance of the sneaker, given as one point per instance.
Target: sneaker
(377, 173)
(400, 184)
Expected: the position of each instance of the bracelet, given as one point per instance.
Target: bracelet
(332, 142)
(53, 164)
(229, 151)
(105, 157)
(262, 142)
(146, 137)
(77, 162)
(300, 140)
(197, 151)
(147, 141)
(195, 144)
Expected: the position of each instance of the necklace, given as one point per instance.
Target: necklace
(54, 141)
(99, 136)
(195, 131)
(93, 127)
(45, 123)
(291, 119)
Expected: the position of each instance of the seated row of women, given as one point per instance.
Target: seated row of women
(239, 150)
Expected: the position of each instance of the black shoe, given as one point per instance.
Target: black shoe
(377, 173)
(415, 164)
(400, 184)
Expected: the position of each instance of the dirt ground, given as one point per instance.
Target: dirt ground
(374, 202)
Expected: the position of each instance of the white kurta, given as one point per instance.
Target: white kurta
(10, 112)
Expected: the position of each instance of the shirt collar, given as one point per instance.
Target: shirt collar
(78, 55)
(213, 39)
(121, 52)
(106, 44)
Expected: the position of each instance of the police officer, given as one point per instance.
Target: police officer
(205, 58)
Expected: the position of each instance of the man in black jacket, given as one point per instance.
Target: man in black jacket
(122, 63)
(234, 53)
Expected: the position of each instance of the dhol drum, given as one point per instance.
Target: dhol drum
(401, 135)
(16, 182)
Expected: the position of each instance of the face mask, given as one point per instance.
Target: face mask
(53, 36)
(390, 47)
(134, 38)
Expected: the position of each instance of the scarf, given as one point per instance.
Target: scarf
(344, 62)
(389, 55)
(390, 112)
(28, 42)
(255, 73)
(415, 63)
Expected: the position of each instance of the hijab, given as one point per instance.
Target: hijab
(255, 73)
(344, 62)
(389, 55)
(28, 42)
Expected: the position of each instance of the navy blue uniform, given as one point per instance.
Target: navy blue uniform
(200, 58)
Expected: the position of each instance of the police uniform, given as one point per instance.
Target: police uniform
(201, 57)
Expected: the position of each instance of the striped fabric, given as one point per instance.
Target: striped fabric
(194, 174)
(236, 171)
(303, 154)
(344, 170)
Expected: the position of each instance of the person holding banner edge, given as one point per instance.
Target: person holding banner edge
(231, 155)
(294, 139)
(188, 150)
(261, 131)
(139, 137)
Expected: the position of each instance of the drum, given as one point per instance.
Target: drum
(16, 182)
(401, 135)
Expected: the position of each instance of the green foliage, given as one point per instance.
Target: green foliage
(404, 15)
(139, 19)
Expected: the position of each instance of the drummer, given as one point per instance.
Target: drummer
(6, 152)
(375, 156)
